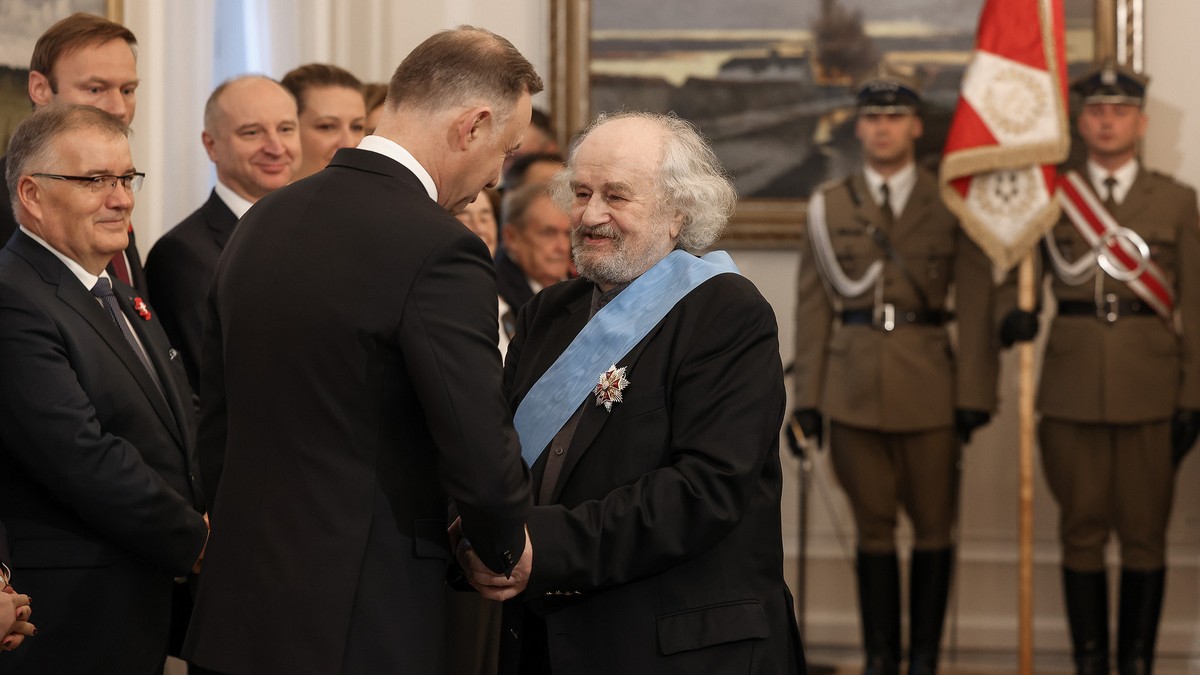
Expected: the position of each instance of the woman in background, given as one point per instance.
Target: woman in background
(480, 218)
(374, 94)
(332, 112)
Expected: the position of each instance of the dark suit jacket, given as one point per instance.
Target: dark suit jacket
(8, 225)
(511, 281)
(351, 383)
(661, 549)
(179, 271)
(96, 488)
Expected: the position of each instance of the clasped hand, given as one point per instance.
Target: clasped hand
(491, 585)
(15, 610)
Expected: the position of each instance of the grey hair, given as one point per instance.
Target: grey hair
(690, 181)
(31, 148)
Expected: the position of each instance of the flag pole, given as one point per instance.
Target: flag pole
(1026, 300)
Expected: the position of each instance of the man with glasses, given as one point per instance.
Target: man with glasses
(96, 419)
(87, 60)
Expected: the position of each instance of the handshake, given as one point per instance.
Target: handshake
(15, 610)
(491, 585)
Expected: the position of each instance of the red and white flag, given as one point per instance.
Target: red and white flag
(1010, 129)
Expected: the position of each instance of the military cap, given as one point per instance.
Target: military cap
(885, 90)
(1112, 82)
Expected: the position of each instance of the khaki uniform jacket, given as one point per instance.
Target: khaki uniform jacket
(909, 379)
(1136, 369)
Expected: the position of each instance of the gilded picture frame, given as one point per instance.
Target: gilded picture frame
(773, 221)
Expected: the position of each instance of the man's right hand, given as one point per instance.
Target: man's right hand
(1018, 326)
(495, 586)
(811, 425)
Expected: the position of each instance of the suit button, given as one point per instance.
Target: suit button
(558, 450)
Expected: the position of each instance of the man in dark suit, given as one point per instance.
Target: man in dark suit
(250, 134)
(98, 491)
(657, 478)
(351, 383)
(536, 247)
(88, 60)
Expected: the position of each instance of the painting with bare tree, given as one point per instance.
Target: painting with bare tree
(769, 81)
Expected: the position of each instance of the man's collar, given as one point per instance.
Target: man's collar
(85, 277)
(901, 181)
(1124, 175)
(236, 203)
(393, 150)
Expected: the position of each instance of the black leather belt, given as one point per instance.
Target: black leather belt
(1109, 311)
(887, 317)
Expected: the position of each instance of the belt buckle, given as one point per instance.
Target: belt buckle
(1110, 310)
(884, 317)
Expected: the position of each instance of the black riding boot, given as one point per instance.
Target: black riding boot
(1137, 622)
(879, 604)
(1087, 614)
(929, 587)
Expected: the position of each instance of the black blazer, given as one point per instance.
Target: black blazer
(96, 488)
(351, 383)
(179, 271)
(8, 225)
(661, 549)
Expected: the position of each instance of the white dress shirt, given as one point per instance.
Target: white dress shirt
(900, 185)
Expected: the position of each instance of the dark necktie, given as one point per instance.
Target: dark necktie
(889, 216)
(1110, 190)
(103, 290)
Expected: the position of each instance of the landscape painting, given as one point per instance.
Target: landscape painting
(769, 82)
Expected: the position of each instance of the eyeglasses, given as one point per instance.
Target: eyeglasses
(102, 184)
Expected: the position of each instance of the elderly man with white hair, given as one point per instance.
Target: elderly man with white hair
(648, 395)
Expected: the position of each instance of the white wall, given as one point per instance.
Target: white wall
(368, 37)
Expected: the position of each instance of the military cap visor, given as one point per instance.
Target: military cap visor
(883, 97)
(1112, 83)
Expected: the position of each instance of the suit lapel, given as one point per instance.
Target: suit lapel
(221, 221)
(866, 211)
(72, 293)
(1137, 198)
(173, 417)
(923, 196)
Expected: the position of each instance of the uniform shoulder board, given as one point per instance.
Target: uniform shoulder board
(831, 185)
(1169, 178)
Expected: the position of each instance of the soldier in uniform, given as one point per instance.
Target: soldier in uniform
(881, 259)
(1119, 398)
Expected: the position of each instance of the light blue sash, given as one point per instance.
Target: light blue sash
(617, 328)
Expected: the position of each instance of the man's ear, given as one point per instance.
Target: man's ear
(30, 195)
(676, 224)
(918, 128)
(510, 237)
(209, 144)
(40, 91)
(472, 125)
